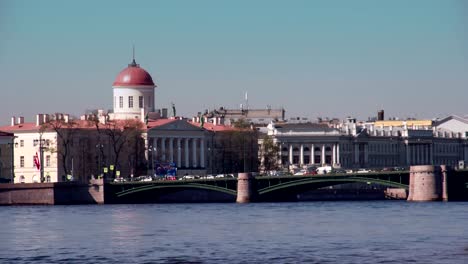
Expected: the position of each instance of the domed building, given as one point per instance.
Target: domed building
(133, 93)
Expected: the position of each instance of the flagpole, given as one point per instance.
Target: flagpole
(41, 158)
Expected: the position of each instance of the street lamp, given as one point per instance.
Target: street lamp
(41, 157)
(99, 147)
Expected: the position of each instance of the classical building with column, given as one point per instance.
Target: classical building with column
(372, 145)
(179, 142)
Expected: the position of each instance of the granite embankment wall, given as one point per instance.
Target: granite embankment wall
(52, 193)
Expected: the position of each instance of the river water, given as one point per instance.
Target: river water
(304, 232)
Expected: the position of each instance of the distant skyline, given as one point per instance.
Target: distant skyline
(314, 58)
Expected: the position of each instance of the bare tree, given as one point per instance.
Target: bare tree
(124, 137)
(65, 130)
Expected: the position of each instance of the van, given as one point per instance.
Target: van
(324, 170)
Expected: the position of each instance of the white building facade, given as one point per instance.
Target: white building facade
(366, 147)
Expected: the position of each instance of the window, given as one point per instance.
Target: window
(130, 102)
(22, 162)
(22, 180)
(21, 143)
(48, 161)
(140, 101)
(48, 178)
(121, 101)
(35, 142)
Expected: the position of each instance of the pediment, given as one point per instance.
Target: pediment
(177, 125)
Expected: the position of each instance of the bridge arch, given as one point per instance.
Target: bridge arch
(324, 182)
(145, 188)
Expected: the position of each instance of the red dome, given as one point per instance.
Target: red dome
(133, 75)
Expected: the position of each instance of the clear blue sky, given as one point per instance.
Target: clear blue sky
(315, 58)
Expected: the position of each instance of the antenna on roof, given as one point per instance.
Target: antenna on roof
(133, 64)
(246, 100)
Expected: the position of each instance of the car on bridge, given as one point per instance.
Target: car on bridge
(363, 171)
(120, 180)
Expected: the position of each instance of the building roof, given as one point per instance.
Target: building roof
(304, 127)
(159, 122)
(211, 127)
(133, 75)
(400, 123)
(452, 117)
(5, 134)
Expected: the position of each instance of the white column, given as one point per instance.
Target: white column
(163, 149)
(323, 155)
(194, 152)
(301, 155)
(290, 154)
(338, 154)
(147, 144)
(312, 154)
(334, 155)
(186, 151)
(171, 149)
(202, 153)
(179, 153)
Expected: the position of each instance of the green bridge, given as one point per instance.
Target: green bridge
(225, 189)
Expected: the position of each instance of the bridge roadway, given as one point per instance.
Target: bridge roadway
(267, 188)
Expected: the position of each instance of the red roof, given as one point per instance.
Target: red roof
(5, 134)
(133, 75)
(159, 122)
(212, 127)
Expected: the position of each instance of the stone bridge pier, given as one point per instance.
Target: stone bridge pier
(428, 183)
(246, 188)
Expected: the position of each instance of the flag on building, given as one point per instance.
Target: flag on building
(37, 163)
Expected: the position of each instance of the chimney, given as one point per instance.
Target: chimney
(194, 119)
(39, 119)
(164, 113)
(46, 118)
(66, 118)
(215, 121)
(380, 115)
(20, 120)
(13, 121)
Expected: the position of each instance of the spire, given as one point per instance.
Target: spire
(133, 64)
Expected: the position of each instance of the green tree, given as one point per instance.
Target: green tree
(269, 154)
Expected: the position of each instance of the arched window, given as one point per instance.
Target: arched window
(327, 149)
(317, 149)
(295, 149)
(306, 149)
(22, 179)
(284, 149)
(48, 178)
